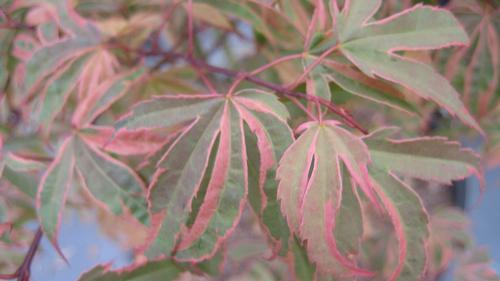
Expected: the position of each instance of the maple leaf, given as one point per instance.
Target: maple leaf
(476, 68)
(311, 188)
(313, 185)
(209, 119)
(373, 45)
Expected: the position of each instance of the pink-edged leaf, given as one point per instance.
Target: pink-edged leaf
(151, 271)
(179, 177)
(224, 199)
(410, 222)
(476, 265)
(22, 164)
(57, 90)
(23, 46)
(272, 138)
(125, 142)
(70, 21)
(371, 46)
(110, 182)
(182, 169)
(166, 111)
(47, 59)
(477, 67)
(359, 84)
(311, 187)
(100, 67)
(428, 158)
(52, 191)
(103, 97)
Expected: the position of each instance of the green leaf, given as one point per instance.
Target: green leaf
(53, 189)
(185, 165)
(371, 46)
(427, 158)
(225, 192)
(26, 183)
(46, 60)
(181, 170)
(21, 164)
(375, 90)
(410, 223)
(57, 91)
(303, 268)
(167, 111)
(152, 271)
(111, 182)
(311, 188)
(104, 96)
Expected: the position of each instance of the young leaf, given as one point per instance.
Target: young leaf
(110, 182)
(371, 46)
(53, 189)
(183, 166)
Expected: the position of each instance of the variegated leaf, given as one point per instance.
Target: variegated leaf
(371, 46)
(208, 119)
(110, 182)
(311, 187)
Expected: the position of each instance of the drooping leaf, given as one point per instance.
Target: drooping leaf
(410, 223)
(427, 158)
(180, 172)
(53, 189)
(262, 188)
(111, 182)
(311, 186)
(371, 46)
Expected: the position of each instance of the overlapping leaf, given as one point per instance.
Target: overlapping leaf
(209, 119)
(314, 193)
(371, 46)
(428, 158)
(476, 68)
(113, 185)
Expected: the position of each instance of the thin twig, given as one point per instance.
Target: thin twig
(23, 272)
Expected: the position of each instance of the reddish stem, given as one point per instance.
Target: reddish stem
(23, 272)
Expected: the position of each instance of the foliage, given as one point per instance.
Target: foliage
(316, 115)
